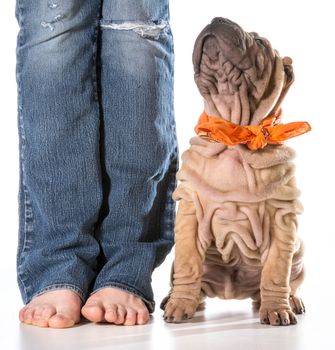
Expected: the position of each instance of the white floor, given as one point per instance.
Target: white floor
(223, 325)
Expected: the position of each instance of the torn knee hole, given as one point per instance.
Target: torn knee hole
(150, 29)
(57, 18)
(52, 5)
(50, 24)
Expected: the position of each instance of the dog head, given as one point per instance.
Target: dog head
(241, 78)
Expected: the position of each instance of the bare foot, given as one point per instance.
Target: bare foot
(115, 306)
(56, 309)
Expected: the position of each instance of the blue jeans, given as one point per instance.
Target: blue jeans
(97, 142)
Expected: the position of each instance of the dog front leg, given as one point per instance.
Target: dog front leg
(275, 281)
(184, 296)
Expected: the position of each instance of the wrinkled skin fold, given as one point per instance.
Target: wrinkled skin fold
(236, 225)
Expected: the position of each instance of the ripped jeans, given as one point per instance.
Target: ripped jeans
(97, 143)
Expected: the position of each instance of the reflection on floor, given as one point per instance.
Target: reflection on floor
(222, 325)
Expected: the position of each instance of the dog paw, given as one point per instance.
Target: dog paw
(178, 310)
(297, 305)
(283, 317)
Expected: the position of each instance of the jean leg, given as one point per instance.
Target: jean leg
(140, 149)
(60, 189)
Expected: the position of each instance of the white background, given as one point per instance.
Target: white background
(303, 30)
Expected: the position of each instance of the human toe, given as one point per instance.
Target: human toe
(42, 315)
(60, 320)
(130, 318)
(121, 312)
(142, 316)
(111, 313)
(22, 313)
(28, 315)
(93, 311)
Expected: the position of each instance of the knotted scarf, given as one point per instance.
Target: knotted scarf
(269, 131)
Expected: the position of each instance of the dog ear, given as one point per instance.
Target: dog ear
(289, 79)
(287, 62)
(270, 101)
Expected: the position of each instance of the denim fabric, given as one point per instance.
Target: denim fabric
(97, 142)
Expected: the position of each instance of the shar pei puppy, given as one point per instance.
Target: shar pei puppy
(236, 224)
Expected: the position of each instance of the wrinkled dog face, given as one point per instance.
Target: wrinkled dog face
(234, 70)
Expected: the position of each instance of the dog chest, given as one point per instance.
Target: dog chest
(215, 173)
(224, 172)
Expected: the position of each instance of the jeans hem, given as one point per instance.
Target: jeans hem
(56, 286)
(150, 304)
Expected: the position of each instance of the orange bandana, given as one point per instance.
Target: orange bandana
(255, 136)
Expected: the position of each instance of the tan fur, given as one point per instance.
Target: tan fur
(236, 225)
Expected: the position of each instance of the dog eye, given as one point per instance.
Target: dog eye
(259, 41)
